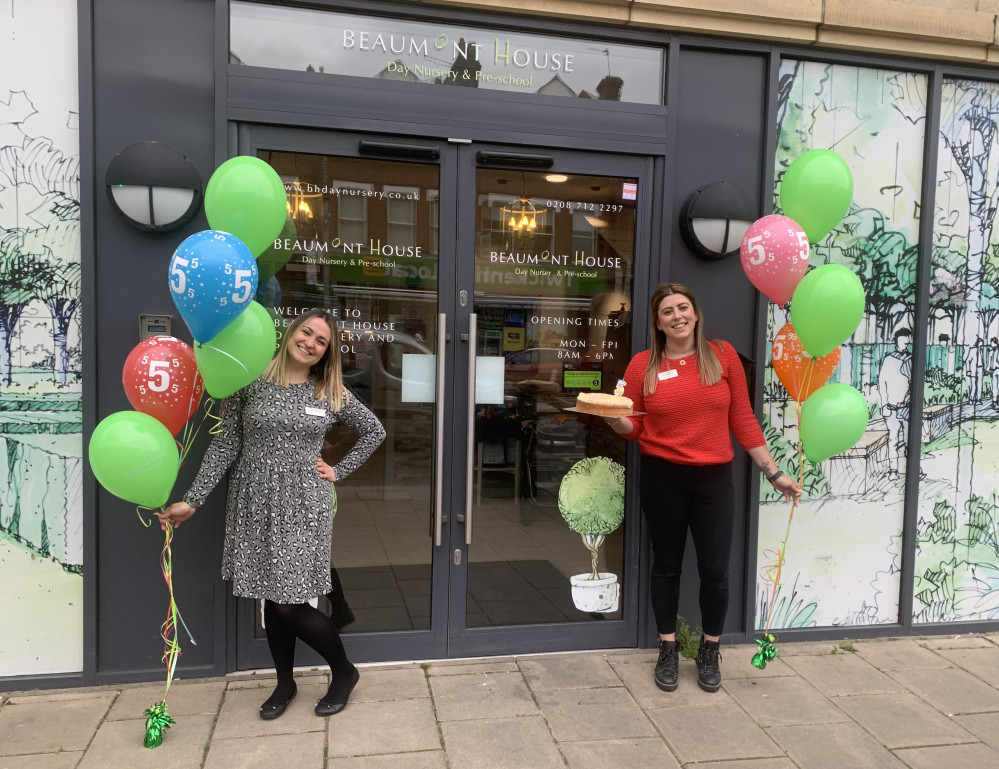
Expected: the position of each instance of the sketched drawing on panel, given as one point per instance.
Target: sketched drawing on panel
(843, 550)
(41, 518)
(957, 545)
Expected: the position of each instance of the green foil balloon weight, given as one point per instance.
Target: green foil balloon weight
(245, 197)
(826, 308)
(135, 458)
(816, 192)
(238, 354)
(833, 419)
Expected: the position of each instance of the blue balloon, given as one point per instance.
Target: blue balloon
(213, 278)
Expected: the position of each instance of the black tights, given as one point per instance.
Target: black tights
(700, 498)
(284, 623)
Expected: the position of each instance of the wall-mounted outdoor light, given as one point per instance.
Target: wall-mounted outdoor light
(714, 219)
(153, 187)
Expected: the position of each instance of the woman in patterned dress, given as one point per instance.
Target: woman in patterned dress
(279, 511)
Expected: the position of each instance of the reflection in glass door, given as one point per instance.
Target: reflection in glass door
(362, 242)
(553, 281)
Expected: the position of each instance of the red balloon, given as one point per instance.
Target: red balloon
(161, 379)
(798, 371)
(775, 256)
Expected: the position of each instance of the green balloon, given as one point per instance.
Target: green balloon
(238, 354)
(135, 458)
(833, 419)
(826, 308)
(816, 192)
(245, 197)
(273, 259)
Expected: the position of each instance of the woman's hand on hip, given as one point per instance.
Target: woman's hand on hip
(325, 471)
(176, 514)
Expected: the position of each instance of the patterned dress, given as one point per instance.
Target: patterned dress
(279, 514)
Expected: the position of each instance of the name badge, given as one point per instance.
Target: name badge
(314, 412)
(667, 374)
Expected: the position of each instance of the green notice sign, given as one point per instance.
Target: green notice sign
(581, 380)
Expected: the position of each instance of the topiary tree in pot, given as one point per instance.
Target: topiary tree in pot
(591, 500)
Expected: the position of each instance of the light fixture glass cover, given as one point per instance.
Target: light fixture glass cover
(153, 187)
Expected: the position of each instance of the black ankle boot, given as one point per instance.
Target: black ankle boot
(708, 670)
(667, 673)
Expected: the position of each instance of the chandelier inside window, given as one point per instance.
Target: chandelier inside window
(521, 216)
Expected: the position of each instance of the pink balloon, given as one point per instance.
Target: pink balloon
(775, 256)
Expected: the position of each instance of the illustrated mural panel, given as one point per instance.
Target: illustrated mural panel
(41, 517)
(957, 546)
(842, 550)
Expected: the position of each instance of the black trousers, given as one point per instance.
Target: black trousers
(699, 498)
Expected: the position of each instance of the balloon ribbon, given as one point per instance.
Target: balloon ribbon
(157, 718)
(771, 573)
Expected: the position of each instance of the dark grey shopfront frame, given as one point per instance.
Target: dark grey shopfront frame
(157, 69)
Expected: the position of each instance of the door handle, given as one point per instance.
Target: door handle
(473, 321)
(439, 434)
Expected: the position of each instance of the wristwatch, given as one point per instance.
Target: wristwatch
(775, 476)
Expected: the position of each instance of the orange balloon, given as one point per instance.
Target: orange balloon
(798, 371)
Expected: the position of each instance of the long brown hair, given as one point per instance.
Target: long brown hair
(326, 373)
(708, 365)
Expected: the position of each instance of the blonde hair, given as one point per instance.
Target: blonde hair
(708, 365)
(327, 373)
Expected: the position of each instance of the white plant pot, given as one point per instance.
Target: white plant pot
(600, 595)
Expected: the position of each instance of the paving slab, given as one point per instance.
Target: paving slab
(601, 754)
(593, 714)
(720, 733)
(118, 744)
(834, 746)
(427, 759)
(982, 663)
(837, 674)
(374, 728)
(903, 720)
(572, 671)
(462, 669)
(302, 751)
(639, 680)
(46, 724)
(985, 726)
(489, 695)
(501, 743)
(957, 642)
(64, 760)
(949, 690)
(900, 654)
(805, 648)
(378, 685)
(186, 698)
(738, 663)
(783, 701)
(975, 756)
(240, 712)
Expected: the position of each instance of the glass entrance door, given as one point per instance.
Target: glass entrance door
(474, 298)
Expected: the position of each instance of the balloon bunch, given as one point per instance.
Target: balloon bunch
(213, 277)
(826, 306)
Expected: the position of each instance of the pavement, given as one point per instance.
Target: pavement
(921, 703)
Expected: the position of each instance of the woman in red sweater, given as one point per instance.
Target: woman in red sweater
(694, 397)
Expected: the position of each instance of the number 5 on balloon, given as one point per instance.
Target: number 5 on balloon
(159, 376)
(244, 286)
(755, 247)
(177, 274)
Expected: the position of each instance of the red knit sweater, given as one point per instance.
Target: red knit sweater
(686, 422)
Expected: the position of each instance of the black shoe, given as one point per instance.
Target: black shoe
(336, 698)
(667, 670)
(708, 671)
(271, 710)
